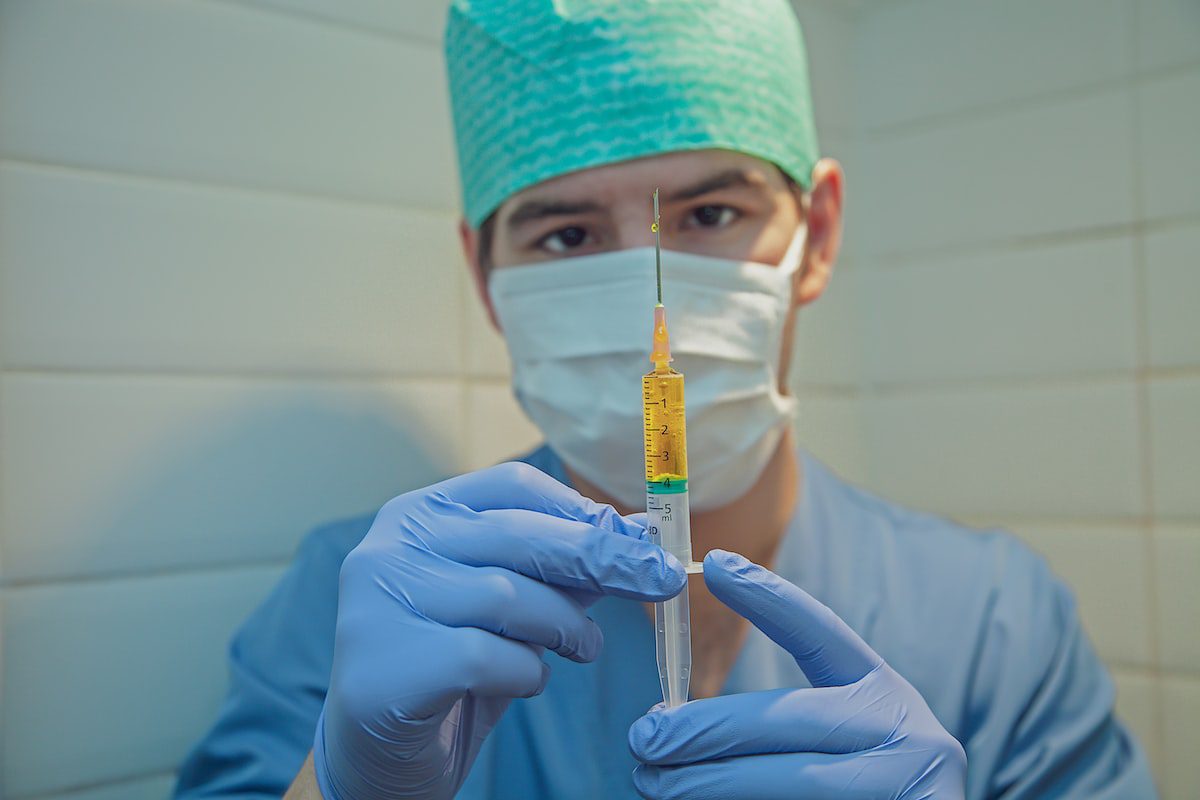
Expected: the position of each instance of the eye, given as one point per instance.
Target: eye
(711, 216)
(564, 239)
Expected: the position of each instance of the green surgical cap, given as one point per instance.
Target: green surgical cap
(540, 88)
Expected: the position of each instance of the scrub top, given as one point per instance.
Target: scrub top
(974, 620)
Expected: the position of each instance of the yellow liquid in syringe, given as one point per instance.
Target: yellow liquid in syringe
(665, 431)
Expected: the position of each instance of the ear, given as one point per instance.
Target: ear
(470, 244)
(824, 238)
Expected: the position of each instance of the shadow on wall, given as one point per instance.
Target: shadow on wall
(205, 516)
(247, 484)
(202, 472)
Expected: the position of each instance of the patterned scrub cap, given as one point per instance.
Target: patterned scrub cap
(540, 88)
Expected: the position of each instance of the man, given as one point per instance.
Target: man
(407, 652)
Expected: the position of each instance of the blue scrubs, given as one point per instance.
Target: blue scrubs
(975, 621)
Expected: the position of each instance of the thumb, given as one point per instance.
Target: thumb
(827, 650)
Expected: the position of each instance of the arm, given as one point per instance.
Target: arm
(861, 732)
(1054, 697)
(394, 661)
(444, 613)
(1044, 705)
(278, 673)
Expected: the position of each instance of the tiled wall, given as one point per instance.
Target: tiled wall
(1027, 261)
(232, 306)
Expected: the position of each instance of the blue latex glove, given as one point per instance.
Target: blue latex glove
(862, 731)
(444, 612)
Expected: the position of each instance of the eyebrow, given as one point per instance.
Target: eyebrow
(531, 210)
(722, 180)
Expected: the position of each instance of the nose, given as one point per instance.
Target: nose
(633, 229)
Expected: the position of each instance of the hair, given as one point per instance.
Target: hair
(487, 232)
(487, 228)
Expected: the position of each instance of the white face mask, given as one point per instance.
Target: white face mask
(579, 331)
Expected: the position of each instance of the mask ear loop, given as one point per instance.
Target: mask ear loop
(790, 263)
(788, 267)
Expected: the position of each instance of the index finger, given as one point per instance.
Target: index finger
(825, 647)
(566, 553)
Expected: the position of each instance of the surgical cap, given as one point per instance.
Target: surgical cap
(540, 88)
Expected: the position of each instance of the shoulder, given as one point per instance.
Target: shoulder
(882, 540)
(941, 601)
(987, 569)
(324, 548)
(305, 598)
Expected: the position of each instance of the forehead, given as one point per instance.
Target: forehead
(634, 180)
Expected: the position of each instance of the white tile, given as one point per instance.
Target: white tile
(828, 344)
(1061, 451)
(107, 475)
(838, 143)
(158, 274)
(1049, 311)
(933, 57)
(1107, 567)
(1175, 442)
(1177, 553)
(153, 787)
(1181, 709)
(1168, 33)
(497, 429)
(1138, 707)
(1173, 297)
(1038, 170)
(1169, 127)
(421, 19)
(108, 679)
(830, 427)
(487, 354)
(224, 93)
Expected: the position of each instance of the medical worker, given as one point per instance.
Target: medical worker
(488, 636)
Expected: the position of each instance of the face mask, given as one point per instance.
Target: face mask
(579, 330)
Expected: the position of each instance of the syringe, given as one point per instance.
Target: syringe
(669, 525)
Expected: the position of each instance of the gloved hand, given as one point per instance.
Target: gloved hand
(862, 731)
(444, 611)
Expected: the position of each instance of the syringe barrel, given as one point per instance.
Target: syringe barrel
(668, 521)
(673, 647)
(665, 438)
